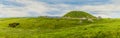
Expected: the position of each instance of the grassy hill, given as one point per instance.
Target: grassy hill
(59, 28)
(45, 27)
(78, 14)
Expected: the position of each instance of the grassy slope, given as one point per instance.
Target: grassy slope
(59, 28)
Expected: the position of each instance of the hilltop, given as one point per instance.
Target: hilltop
(78, 14)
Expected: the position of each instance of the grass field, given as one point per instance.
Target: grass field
(59, 28)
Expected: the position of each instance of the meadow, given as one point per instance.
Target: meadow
(42, 27)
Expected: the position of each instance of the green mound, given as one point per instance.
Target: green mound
(78, 14)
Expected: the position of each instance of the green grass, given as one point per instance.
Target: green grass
(59, 28)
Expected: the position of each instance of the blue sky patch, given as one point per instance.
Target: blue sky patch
(11, 3)
(76, 2)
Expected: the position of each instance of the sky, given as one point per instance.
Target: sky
(32, 8)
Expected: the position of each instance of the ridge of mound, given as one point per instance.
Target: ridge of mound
(78, 14)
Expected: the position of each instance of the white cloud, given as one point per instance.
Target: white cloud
(41, 8)
(38, 7)
(115, 2)
(102, 10)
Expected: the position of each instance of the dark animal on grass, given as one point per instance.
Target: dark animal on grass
(13, 25)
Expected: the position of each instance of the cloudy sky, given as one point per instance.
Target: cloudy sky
(24, 8)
